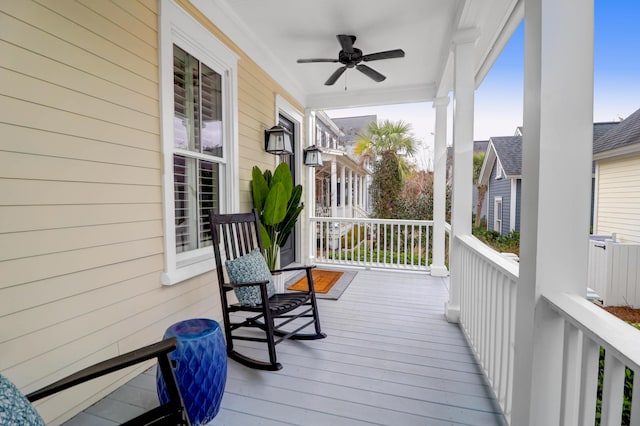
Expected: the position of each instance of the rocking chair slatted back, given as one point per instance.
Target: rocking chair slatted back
(233, 236)
(240, 233)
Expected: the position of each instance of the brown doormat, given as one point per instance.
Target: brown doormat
(323, 280)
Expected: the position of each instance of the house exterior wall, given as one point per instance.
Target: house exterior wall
(518, 204)
(498, 188)
(618, 205)
(81, 215)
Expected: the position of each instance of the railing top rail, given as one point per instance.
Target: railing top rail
(507, 267)
(370, 220)
(600, 326)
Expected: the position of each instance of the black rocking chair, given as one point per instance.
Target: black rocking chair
(285, 315)
(171, 413)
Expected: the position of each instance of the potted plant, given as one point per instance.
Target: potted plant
(278, 203)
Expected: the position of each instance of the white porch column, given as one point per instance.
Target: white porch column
(464, 86)
(343, 189)
(556, 166)
(350, 194)
(334, 188)
(438, 268)
(310, 126)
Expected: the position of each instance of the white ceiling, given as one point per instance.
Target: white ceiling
(275, 33)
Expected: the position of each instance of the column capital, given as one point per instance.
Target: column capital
(466, 35)
(441, 101)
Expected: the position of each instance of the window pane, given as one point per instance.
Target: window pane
(198, 105)
(211, 112)
(208, 197)
(185, 203)
(186, 91)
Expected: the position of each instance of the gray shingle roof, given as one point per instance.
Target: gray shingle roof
(626, 133)
(351, 126)
(509, 152)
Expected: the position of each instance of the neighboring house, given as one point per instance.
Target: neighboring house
(617, 181)
(502, 173)
(478, 147)
(351, 127)
(342, 183)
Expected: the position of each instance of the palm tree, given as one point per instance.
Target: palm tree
(388, 136)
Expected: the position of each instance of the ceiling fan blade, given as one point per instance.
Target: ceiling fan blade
(388, 54)
(335, 76)
(346, 42)
(371, 73)
(308, 61)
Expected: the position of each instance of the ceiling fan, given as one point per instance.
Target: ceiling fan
(352, 57)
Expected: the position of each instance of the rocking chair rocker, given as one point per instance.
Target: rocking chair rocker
(237, 245)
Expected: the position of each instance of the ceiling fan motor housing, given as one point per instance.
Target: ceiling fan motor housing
(350, 59)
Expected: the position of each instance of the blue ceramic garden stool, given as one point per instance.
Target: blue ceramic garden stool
(200, 366)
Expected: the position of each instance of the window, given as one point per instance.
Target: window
(198, 148)
(199, 139)
(497, 214)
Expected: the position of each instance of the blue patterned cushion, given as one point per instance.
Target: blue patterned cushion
(246, 269)
(15, 408)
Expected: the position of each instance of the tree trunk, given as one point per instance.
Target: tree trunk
(482, 191)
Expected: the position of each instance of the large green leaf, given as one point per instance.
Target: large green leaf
(266, 237)
(282, 174)
(287, 225)
(259, 188)
(275, 206)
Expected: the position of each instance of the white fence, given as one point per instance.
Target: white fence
(487, 312)
(614, 272)
(379, 243)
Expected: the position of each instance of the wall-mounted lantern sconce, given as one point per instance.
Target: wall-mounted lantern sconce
(312, 157)
(277, 141)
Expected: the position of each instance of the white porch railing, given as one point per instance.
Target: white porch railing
(487, 312)
(379, 243)
(488, 315)
(587, 328)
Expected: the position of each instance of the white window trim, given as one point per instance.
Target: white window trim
(179, 28)
(497, 200)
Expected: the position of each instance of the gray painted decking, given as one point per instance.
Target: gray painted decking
(390, 358)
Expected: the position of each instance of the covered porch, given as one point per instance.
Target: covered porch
(390, 358)
(91, 266)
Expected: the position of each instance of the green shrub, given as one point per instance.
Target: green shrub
(509, 243)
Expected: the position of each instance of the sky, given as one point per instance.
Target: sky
(498, 100)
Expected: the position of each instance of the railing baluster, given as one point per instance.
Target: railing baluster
(569, 405)
(612, 391)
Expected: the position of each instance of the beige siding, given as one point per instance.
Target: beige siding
(619, 198)
(81, 236)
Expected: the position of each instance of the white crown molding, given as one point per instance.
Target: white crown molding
(222, 15)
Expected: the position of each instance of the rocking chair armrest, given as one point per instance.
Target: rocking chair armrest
(155, 350)
(294, 268)
(249, 284)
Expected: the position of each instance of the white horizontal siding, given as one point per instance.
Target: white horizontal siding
(619, 198)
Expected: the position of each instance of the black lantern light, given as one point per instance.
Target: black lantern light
(277, 141)
(313, 156)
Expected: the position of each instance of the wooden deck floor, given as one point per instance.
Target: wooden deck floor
(390, 358)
